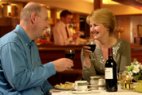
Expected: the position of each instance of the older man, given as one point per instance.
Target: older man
(21, 71)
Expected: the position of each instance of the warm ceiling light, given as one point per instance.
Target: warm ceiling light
(49, 13)
(9, 8)
(58, 14)
(108, 2)
(104, 1)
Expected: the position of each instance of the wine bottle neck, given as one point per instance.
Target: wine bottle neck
(110, 54)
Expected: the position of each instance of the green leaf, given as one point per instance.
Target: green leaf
(130, 68)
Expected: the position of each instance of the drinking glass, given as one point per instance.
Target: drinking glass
(91, 44)
(121, 80)
(70, 53)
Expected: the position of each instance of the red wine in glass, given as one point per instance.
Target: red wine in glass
(92, 47)
(70, 53)
(91, 43)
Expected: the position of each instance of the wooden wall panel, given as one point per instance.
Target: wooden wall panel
(124, 24)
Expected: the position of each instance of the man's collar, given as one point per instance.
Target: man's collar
(21, 32)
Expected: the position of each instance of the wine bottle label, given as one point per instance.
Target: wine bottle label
(108, 73)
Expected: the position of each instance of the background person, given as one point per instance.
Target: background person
(102, 29)
(62, 33)
(21, 71)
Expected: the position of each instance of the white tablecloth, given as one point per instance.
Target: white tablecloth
(99, 92)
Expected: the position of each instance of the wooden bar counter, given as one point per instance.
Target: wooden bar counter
(52, 52)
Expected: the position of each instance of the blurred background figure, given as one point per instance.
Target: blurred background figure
(61, 29)
(64, 32)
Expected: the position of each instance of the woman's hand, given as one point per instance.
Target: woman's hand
(86, 54)
(86, 51)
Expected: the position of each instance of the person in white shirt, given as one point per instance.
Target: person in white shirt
(61, 32)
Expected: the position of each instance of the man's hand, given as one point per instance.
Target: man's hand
(63, 64)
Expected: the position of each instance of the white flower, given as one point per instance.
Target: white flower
(136, 69)
(130, 73)
(141, 67)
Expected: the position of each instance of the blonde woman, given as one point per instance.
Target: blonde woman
(102, 29)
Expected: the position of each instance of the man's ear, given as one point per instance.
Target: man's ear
(33, 17)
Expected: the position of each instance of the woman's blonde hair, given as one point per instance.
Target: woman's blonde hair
(103, 16)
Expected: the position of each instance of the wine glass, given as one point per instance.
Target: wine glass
(70, 53)
(121, 80)
(91, 44)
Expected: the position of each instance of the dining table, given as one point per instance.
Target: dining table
(94, 92)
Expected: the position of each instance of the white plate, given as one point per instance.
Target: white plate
(85, 92)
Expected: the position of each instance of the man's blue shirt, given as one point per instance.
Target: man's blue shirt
(21, 71)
